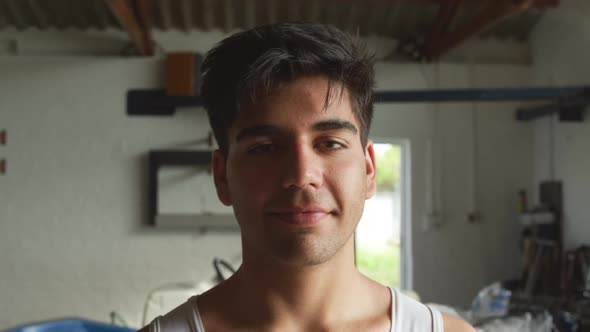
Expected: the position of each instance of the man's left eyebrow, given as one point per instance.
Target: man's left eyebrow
(335, 125)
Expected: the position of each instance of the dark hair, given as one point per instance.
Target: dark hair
(255, 63)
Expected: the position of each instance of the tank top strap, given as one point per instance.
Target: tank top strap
(197, 321)
(409, 315)
(437, 321)
(184, 318)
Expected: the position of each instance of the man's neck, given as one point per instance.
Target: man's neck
(304, 291)
(319, 295)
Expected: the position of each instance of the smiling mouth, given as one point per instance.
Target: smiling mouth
(302, 218)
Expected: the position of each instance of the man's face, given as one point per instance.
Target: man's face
(296, 174)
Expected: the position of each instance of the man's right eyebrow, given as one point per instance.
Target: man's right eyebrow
(264, 130)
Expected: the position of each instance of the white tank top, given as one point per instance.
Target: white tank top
(407, 315)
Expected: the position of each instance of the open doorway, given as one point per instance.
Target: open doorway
(379, 237)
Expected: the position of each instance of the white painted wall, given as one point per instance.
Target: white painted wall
(73, 202)
(71, 206)
(561, 50)
(452, 262)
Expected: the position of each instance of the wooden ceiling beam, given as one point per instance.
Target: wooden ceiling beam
(447, 12)
(133, 16)
(489, 16)
(142, 12)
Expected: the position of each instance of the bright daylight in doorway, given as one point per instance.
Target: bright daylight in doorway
(378, 233)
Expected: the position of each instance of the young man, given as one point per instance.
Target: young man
(291, 105)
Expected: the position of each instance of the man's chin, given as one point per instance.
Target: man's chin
(304, 252)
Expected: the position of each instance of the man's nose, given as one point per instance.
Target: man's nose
(302, 168)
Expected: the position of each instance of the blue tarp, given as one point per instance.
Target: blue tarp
(69, 325)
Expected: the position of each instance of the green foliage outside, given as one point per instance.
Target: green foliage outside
(388, 166)
(380, 263)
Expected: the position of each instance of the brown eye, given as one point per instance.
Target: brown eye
(332, 145)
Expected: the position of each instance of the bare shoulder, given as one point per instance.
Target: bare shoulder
(453, 324)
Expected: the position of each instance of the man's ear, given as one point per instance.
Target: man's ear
(371, 170)
(220, 177)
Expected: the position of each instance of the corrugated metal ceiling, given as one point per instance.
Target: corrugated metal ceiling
(397, 19)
